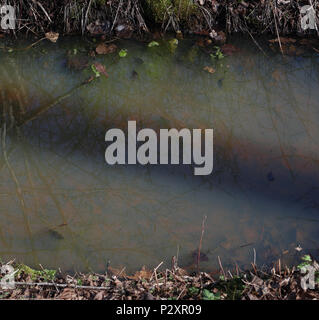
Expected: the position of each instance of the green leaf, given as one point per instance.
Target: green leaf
(218, 54)
(207, 295)
(193, 291)
(302, 265)
(174, 42)
(96, 72)
(123, 53)
(306, 258)
(153, 44)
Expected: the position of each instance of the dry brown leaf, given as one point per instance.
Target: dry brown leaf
(114, 271)
(118, 283)
(209, 69)
(142, 274)
(67, 294)
(101, 68)
(99, 296)
(52, 36)
(102, 48)
(181, 272)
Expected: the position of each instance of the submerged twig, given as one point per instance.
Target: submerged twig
(200, 242)
(37, 112)
(256, 43)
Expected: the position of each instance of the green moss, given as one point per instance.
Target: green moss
(161, 10)
(45, 274)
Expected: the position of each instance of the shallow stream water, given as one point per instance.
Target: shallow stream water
(62, 206)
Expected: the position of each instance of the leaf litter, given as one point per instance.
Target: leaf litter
(277, 283)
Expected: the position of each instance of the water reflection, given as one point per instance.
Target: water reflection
(62, 206)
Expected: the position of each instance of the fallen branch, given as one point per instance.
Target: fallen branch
(37, 112)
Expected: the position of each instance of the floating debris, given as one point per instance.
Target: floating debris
(209, 69)
(99, 69)
(102, 48)
(52, 36)
(123, 53)
(153, 44)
